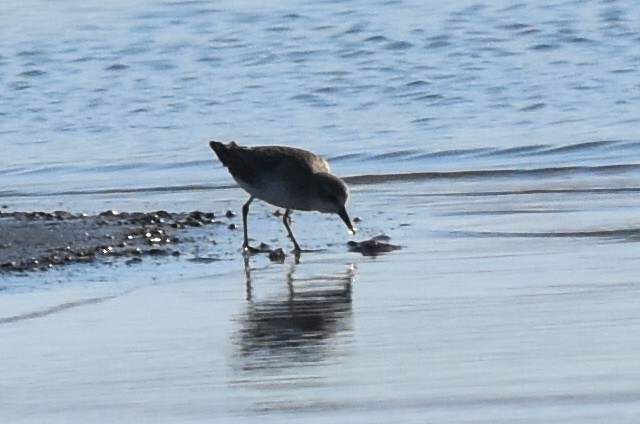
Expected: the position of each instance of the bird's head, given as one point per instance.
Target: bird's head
(332, 197)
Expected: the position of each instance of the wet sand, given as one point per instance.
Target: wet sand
(480, 317)
(38, 241)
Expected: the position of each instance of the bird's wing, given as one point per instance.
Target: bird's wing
(297, 157)
(245, 161)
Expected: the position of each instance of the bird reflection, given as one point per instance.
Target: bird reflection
(300, 327)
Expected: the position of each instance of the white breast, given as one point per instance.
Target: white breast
(280, 195)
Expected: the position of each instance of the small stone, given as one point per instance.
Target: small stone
(62, 215)
(109, 212)
(8, 265)
(157, 252)
(192, 222)
(373, 246)
(133, 261)
(232, 226)
(277, 255)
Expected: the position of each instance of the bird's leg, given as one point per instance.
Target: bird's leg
(286, 220)
(245, 212)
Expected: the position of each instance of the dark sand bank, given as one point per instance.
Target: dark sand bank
(37, 241)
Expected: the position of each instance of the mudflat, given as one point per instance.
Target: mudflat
(37, 241)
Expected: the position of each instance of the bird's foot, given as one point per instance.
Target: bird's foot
(250, 250)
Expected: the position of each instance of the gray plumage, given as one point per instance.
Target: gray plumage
(286, 177)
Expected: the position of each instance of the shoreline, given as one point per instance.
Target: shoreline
(39, 241)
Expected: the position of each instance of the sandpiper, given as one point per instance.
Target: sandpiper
(286, 177)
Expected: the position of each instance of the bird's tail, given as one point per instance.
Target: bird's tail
(222, 151)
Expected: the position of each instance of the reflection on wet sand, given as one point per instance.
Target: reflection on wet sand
(302, 327)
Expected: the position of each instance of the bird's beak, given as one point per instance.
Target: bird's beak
(343, 214)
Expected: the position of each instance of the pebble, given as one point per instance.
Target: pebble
(373, 247)
(277, 255)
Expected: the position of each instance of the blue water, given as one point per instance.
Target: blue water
(497, 143)
(99, 98)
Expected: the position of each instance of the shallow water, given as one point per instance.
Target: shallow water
(497, 144)
(105, 102)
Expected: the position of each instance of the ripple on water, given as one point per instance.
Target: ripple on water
(31, 73)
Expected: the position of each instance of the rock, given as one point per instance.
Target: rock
(373, 247)
(277, 255)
